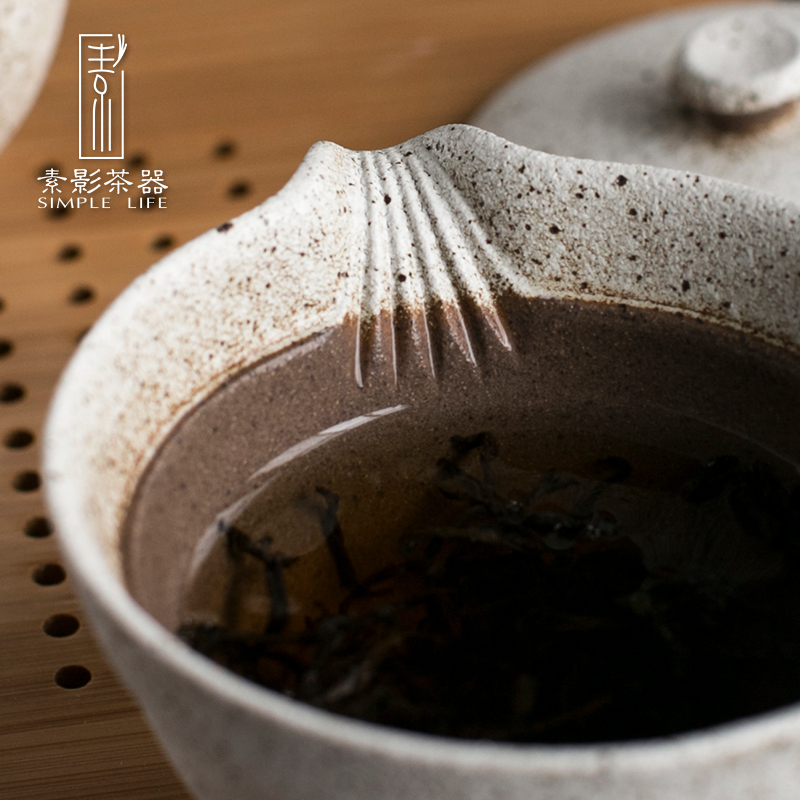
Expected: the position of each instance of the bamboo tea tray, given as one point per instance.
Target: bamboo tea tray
(225, 98)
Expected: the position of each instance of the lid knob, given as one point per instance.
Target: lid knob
(743, 63)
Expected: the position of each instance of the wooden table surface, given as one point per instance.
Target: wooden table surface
(225, 97)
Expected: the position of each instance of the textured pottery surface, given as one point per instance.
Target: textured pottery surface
(625, 95)
(29, 34)
(463, 216)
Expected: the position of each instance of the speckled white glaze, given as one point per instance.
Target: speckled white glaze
(476, 215)
(29, 34)
(743, 62)
(613, 97)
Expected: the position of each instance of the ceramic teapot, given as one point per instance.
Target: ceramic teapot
(711, 89)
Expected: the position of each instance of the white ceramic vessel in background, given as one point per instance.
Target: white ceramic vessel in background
(622, 95)
(29, 34)
(458, 211)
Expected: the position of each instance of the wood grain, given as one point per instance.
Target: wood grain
(271, 78)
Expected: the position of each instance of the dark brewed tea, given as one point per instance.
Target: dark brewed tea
(594, 537)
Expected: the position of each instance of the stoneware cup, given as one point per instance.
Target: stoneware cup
(404, 254)
(29, 34)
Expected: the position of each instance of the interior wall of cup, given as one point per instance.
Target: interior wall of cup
(576, 377)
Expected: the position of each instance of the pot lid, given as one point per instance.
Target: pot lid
(712, 90)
